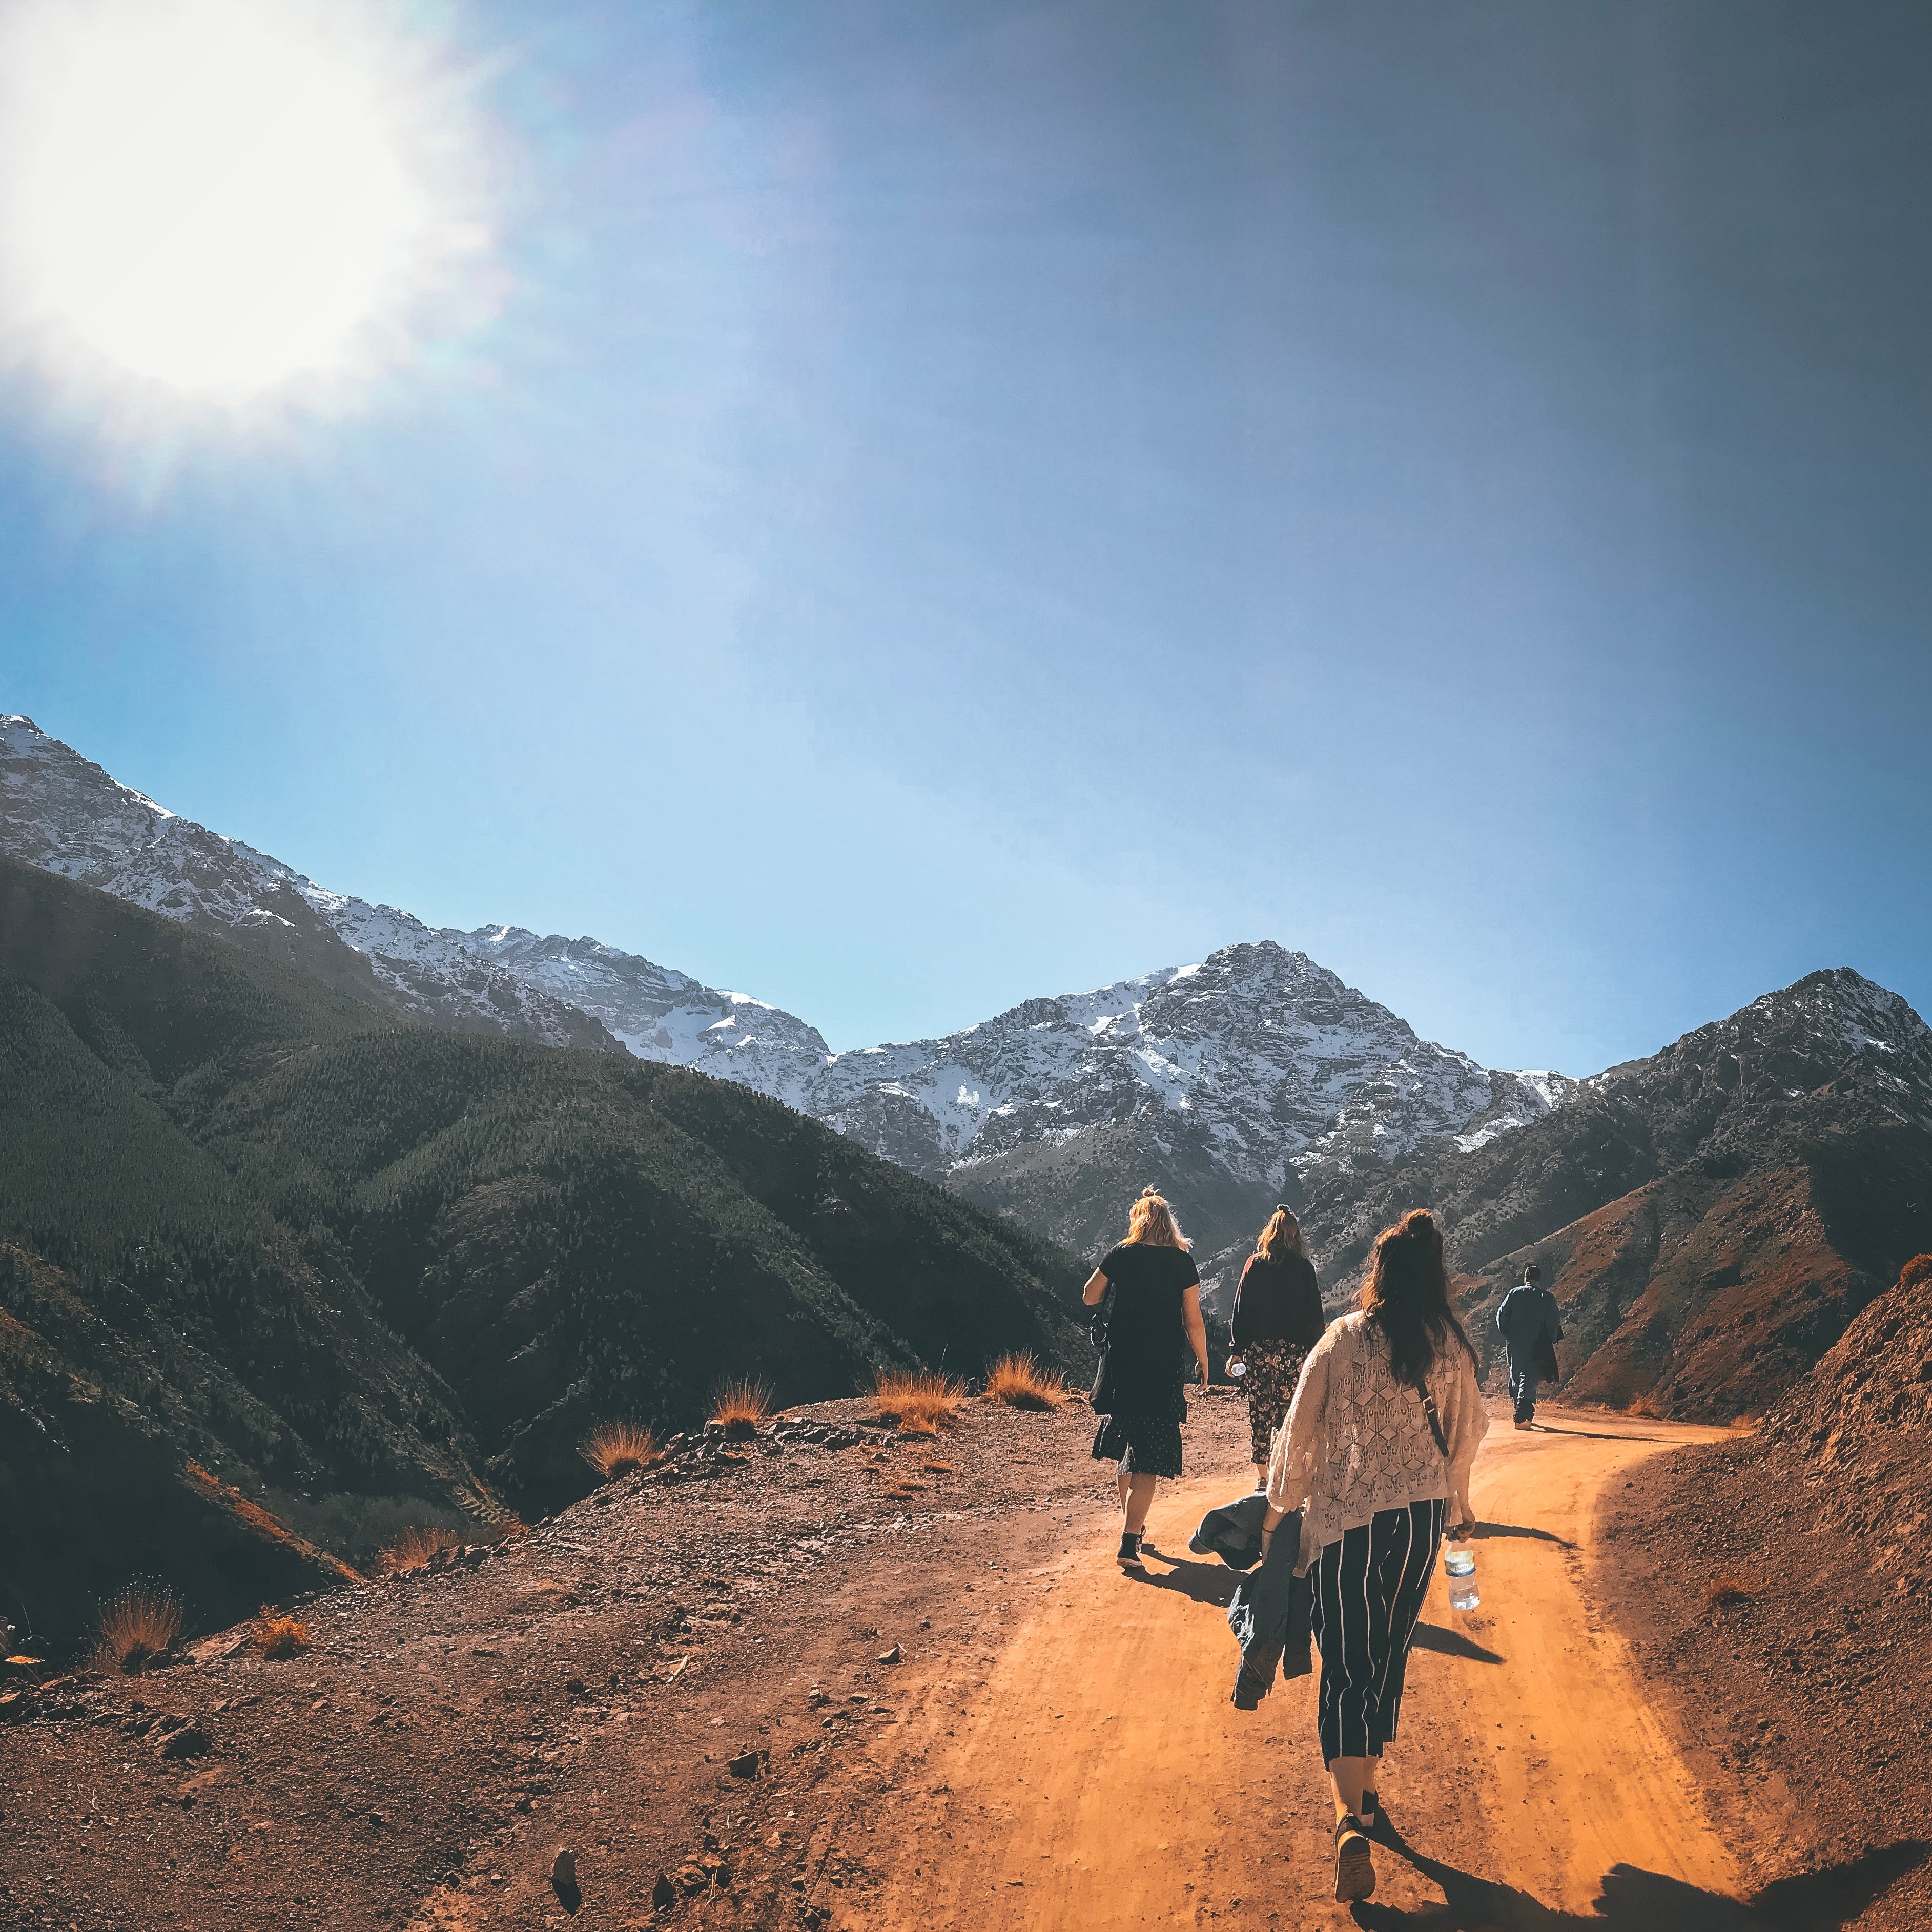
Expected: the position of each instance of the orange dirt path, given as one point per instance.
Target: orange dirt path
(1083, 1767)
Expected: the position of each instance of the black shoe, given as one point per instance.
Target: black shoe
(1354, 1864)
(1130, 1546)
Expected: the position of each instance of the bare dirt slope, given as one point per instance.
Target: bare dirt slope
(1777, 1585)
(685, 1683)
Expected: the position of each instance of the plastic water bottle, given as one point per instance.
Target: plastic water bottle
(1237, 1367)
(1459, 1562)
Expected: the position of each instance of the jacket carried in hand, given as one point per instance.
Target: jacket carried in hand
(1272, 1609)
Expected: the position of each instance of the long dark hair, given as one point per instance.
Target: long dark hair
(1406, 1295)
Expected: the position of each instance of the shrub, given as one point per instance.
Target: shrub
(739, 1405)
(1917, 1270)
(414, 1548)
(277, 1636)
(615, 1449)
(1721, 1592)
(137, 1626)
(920, 1404)
(1020, 1382)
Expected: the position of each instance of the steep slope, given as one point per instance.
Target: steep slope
(1778, 1584)
(111, 1434)
(62, 813)
(1853, 1432)
(1710, 1218)
(569, 1236)
(1247, 1077)
(360, 1269)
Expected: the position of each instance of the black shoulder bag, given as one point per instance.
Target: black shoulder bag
(1098, 1321)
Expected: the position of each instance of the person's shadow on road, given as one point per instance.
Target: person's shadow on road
(1630, 1900)
(1204, 1583)
(1483, 1530)
(1453, 1643)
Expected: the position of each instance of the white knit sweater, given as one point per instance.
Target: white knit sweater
(1357, 1441)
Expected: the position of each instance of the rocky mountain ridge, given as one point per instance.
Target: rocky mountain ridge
(1251, 1076)
(1710, 1218)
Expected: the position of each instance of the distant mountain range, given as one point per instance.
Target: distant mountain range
(1254, 1075)
(1711, 1217)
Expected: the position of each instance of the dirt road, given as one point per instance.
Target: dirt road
(1088, 1771)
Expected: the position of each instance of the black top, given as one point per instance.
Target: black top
(1278, 1301)
(1143, 1371)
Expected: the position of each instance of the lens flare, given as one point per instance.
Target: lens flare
(214, 197)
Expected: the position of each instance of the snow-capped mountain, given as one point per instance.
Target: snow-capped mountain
(64, 813)
(657, 1014)
(1231, 1082)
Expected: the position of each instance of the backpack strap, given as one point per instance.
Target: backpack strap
(1435, 1424)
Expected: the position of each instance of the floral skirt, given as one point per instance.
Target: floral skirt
(1273, 1369)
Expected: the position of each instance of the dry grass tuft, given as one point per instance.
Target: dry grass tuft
(922, 1404)
(1020, 1382)
(739, 1405)
(1722, 1592)
(937, 1469)
(615, 1449)
(137, 1627)
(277, 1636)
(413, 1549)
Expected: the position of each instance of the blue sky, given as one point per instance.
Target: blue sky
(962, 502)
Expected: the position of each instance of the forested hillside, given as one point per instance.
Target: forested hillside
(358, 1269)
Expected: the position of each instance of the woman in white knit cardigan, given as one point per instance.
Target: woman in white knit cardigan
(1376, 1453)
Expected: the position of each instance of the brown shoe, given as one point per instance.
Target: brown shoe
(1354, 1863)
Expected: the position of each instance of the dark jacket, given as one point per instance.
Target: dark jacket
(1278, 1301)
(1528, 1316)
(1273, 1608)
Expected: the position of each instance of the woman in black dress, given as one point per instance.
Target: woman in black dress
(1277, 1320)
(1140, 1389)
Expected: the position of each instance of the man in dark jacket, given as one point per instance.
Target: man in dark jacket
(1530, 1325)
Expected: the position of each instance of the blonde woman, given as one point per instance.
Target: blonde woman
(1277, 1320)
(1140, 1390)
(1376, 1454)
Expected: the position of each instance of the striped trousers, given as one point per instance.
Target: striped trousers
(1369, 1588)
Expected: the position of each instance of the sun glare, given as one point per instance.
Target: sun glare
(216, 196)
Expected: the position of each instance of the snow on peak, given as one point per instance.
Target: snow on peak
(1262, 1060)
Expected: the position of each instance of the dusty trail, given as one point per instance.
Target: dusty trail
(1096, 1775)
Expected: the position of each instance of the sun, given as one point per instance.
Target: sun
(218, 197)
